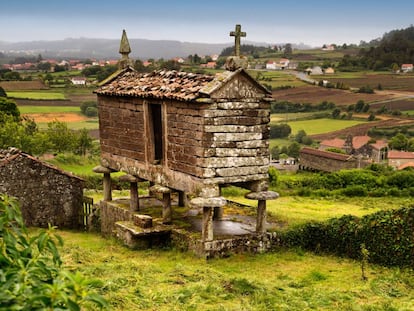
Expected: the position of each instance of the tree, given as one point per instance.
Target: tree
(399, 142)
(359, 106)
(60, 136)
(83, 142)
(299, 136)
(9, 107)
(293, 150)
(2, 92)
(280, 130)
(336, 113)
(274, 152)
(288, 50)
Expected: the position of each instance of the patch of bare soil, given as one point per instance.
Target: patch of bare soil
(62, 117)
(362, 129)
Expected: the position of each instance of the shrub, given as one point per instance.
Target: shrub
(91, 112)
(32, 277)
(387, 236)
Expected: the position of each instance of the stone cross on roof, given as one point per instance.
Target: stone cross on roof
(237, 34)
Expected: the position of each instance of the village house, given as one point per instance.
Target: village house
(47, 195)
(326, 161)
(210, 65)
(80, 81)
(400, 159)
(282, 64)
(407, 68)
(329, 71)
(188, 133)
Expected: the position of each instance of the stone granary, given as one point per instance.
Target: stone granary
(47, 195)
(187, 132)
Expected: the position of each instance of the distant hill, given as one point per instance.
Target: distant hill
(108, 48)
(392, 50)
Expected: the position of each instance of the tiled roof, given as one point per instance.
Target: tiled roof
(395, 154)
(379, 144)
(164, 84)
(360, 141)
(157, 84)
(326, 154)
(335, 143)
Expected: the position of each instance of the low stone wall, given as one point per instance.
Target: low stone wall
(253, 243)
(112, 212)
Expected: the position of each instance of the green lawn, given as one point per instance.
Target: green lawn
(283, 280)
(48, 109)
(319, 126)
(36, 95)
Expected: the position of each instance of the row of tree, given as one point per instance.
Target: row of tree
(394, 49)
(23, 133)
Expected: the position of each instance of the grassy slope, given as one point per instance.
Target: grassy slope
(319, 126)
(284, 280)
(36, 95)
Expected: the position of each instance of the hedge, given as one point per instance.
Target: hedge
(387, 235)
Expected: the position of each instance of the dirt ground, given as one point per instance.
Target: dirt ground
(62, 117)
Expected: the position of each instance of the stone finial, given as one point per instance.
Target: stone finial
(101, 170)
(237, 61)
(124, 50)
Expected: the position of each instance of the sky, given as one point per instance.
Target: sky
(311, 22)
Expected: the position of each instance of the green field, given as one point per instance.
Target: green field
(48, 109)
(319, 126)
(90, 124)
(37, 95)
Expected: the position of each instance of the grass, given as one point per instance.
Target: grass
(48, 109)
(91, 124)
(37, 95)
(283, 280)
(319, 126)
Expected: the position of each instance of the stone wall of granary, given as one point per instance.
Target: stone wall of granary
(238, 145)
(46, 195)
(309, 161)
(121, 124)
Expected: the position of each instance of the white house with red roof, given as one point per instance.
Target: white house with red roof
(407, 67)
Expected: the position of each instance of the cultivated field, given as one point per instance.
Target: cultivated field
(315, 95)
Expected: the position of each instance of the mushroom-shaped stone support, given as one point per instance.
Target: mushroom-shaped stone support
(133, 191)
(208, 205)
(106, 181)
(166, 202)
(261, 197)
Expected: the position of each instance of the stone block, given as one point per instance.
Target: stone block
(142, 221)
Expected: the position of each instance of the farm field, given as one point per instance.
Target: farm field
(36, 95)
(319, 126)
(315, 95)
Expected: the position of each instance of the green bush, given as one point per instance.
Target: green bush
(387, 235)
(31, 273)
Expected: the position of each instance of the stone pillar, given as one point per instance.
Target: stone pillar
(218, 213)
(182, 199)
(166, 202)
(261, 197)
(208, 205)
(133, 191)
(107, 187)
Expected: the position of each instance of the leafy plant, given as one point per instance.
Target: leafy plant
(31, 273)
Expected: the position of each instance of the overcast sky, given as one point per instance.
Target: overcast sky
(312, 22)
